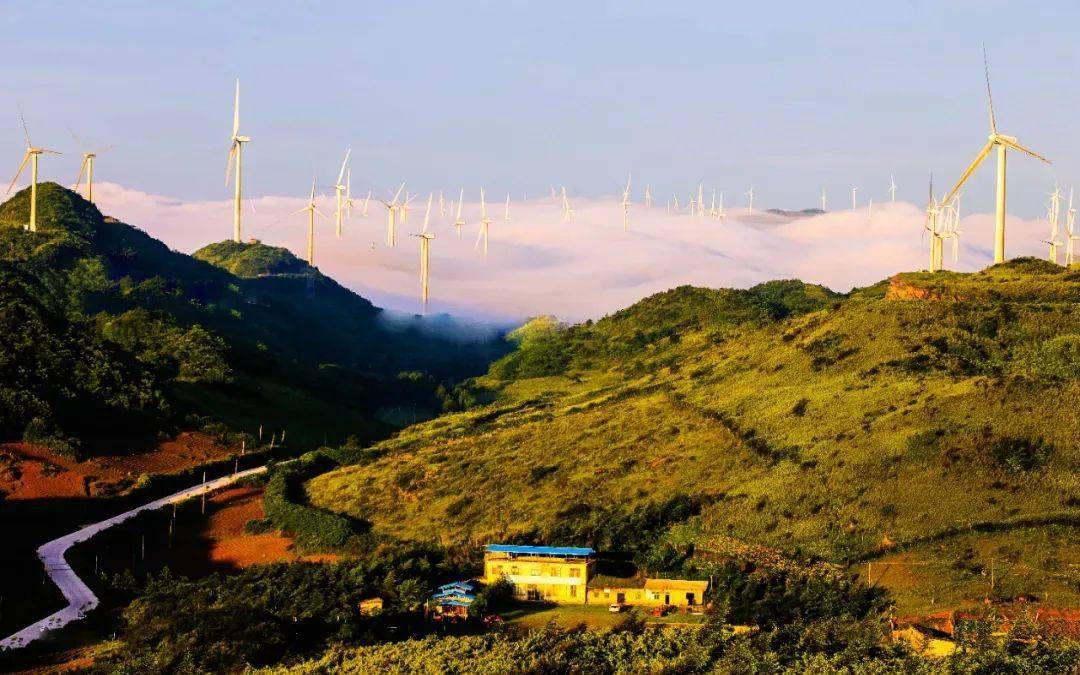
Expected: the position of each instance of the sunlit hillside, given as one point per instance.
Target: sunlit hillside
(840, 426)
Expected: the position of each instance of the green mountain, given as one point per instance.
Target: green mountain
(897, 418)
(108, 320)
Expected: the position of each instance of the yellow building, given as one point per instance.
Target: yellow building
(648, 592)
(549, 573)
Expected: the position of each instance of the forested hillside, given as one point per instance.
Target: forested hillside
(105, 322)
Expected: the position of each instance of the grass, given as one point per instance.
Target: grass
(829, 426)
(594, 617)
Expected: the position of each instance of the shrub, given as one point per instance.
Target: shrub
(1021, 454)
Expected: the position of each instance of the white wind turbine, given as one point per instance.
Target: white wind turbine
(506, 213)
(568, 213)
(892, 189)
(950, 229)
(405, 208)
(442, 205)
(750, 208)
(1070, 232)
(626, 204)
(31, 155)
(824, 199)
(367, 200)
(459, 222)
(236, 151)
(933, 213)
(339, 192)
(720, 214)
(484, 223)
(854, 202)
(870, 208)
(1053, 214)
(648, 198)
(700, 200)
(391, 215)
(311, 210)
(87, 168)
(425, 267)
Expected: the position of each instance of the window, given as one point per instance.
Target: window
(535, 571)
(575, 572)
(513, 569)
(573, 591)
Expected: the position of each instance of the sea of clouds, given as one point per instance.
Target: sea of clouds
(538, 264)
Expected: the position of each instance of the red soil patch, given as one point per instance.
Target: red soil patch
(227, 545)
(33, 472)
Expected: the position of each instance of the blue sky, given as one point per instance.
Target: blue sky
(788, 96)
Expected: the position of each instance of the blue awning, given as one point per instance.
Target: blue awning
(554, 551)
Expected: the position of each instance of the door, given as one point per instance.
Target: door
(620, 598)
(690, 599)
(667, 599)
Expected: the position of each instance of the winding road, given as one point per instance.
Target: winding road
(78, 595)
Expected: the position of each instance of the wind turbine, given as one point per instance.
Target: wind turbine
(933, 212)
(349, 201)
(405, 208)
(892, 189)
(31, 156)
(700, 200)
(1053, 214)
(235, 155)
(854, 191)
(720, 215)
(824, 199)
(367, 200)
(391, 215)
(626, 204)
(1070, 232)
(339, 190)
(484, 223)
(506, 214)
(425, 268)
(870, 208)
(459, 222)
(568, 213)
(750, 194)
(442, 205)
(311, 210)
(86, 168)
(648, 198)
(1002, 143)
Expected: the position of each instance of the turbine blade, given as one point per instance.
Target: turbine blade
(18, 173)
(236, 110)
(78, 179)
(398, 193)
(299, 211)
(989, 95)
(970, 170)
(229, 162)
(341, 174)
(1016, 146)
(26, 132)
(312, 200)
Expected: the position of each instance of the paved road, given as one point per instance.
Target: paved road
(79, 596)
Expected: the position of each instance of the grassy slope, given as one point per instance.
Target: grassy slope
(696, 391)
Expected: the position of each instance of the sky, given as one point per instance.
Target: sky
(787, 97)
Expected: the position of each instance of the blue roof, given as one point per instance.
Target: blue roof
(456, 603)
(452, 593)
(541, 550)
(467, 585)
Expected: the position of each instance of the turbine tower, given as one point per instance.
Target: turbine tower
(750, 194)
(648, 198)
(31, 155)
(459, 222)
(1002, 143)
(339, 191)
(700, 200)
(391, 215)
(425, 268)
(892, 189)
(568, 213)
(854, 202)
(506, 214)
(933, 212)
(236, 151)
(484, 223)
(824, 199)
(311, 210)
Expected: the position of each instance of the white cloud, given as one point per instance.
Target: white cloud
(538, 264)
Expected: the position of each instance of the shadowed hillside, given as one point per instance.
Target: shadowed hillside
(111, 318)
